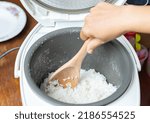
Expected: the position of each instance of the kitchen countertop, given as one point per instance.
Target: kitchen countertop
(9, 86)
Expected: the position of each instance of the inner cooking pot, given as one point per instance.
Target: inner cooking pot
(55, 48)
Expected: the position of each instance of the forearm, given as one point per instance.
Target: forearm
(106, 22)
(138, 18)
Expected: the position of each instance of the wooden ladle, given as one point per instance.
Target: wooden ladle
(69, 73)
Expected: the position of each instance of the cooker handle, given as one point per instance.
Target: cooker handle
(17, 62)
(17, 72)
(129, 47)
(19, 56)
(25, 43)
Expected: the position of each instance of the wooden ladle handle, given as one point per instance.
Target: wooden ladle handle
(78, 58)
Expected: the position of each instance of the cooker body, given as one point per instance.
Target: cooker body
(56, 48)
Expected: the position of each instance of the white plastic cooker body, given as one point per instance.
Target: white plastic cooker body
(49, 21)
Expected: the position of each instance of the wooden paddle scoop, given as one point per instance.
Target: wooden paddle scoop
(69, 73)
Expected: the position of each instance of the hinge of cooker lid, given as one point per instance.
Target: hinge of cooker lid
(50, 18)
(66, 17)
(53, 17)
(44, 16)
(47, 17)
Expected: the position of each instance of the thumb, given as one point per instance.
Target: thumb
(93, 44)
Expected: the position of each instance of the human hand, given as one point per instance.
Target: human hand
(104, 23)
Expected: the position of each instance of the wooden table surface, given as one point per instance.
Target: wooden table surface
(9, 86)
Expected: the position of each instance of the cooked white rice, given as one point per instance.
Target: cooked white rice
(91, 88)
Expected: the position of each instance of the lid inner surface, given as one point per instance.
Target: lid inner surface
(72, 5)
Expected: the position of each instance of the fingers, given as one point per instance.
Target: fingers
(94, 43)
(85, 32)
(83, 36)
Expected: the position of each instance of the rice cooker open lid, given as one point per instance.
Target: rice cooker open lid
(70, 5)
(47, 12)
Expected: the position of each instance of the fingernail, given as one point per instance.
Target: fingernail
(90, 51)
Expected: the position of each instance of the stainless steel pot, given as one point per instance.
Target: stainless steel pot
(57, 47)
